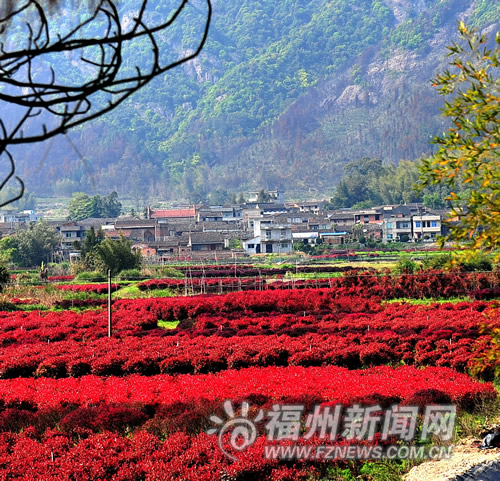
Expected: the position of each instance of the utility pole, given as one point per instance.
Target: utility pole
(110, 323)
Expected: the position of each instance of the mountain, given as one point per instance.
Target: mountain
(283, 95)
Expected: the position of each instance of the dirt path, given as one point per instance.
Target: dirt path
(465, 457)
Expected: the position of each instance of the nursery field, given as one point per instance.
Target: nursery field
(76, 404)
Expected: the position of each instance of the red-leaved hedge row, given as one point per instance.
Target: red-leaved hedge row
(252, 271)
(95, 417)
(93, 288)
(180, 355)
(278, 384)
(60, 278)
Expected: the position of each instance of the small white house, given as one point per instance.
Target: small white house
(426, 226)
(269, 238)
(24, 217)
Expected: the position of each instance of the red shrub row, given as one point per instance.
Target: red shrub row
(71, 303)
(94, 288)
(351, 315)
(210, 284)
(252, 271)
(178, 308)
(21, 327)
(94, 415)
(430, 284)
(294, 313)
(60, 278)
(26, 301)
(214, 285)
(313, 300)
(141, 457)
(180, 354)
(287, 384)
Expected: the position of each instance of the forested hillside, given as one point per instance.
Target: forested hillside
(284, 95)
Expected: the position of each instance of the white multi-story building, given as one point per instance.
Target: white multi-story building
(23, 217)
(269, 238)
(426, 226)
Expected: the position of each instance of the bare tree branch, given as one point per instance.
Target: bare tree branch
(29, 80)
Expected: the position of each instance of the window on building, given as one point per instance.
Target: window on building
(251, 246)
(389, 236)
(434, 223)
(377, 216)
(418, 224)
(284, 245)
(389, 225)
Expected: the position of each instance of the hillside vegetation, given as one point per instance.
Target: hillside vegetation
(284, 94)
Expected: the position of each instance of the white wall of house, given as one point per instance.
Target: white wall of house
(426, 226)
(250, 246)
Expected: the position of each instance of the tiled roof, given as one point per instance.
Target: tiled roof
(172, 213)
(206, 238)
(137, 223)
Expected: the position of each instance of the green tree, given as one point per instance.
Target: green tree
(91, 240)
(110, 206)
(82, 206)
(352, 189)
(469, 150)
(36, 243)
(9, 251)
(4, 276)
(28, 201)
(116, 255)
(235, 244)
(433, 201)
(263, 196)
(219, 197)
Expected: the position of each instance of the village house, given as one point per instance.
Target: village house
(164, 215)
(269, 238)
(397, 228)
(206, 241)
(145, 230)
(426, 226)
(277, 196)
(315, 207)
(342, 218)
(219, 214)
(71, 232)
(397, 223)
(368, 216)
(24, 217)
(305, 237)
(334, 238)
